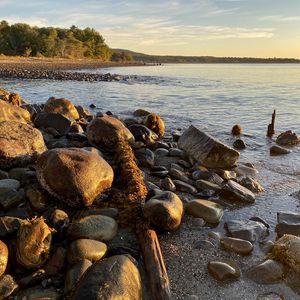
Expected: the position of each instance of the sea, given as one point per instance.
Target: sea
(212, 97)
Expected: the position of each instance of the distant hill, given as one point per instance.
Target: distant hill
(158, 59)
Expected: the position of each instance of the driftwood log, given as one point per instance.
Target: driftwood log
(271, 127)
(130, 201)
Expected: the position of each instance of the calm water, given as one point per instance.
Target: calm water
(212, 97)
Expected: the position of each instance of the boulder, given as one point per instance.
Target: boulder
(53, 120)
(112, 278)
(62, 106)
(107, 131)
(74, 175)
(287, 250)
(10, 112)
(288, 223)
(164, 210)
(94, 227)
(210, 211)
(288, 138)
(20, 144)
(207, 150)
(33, 243)
(155, 123)
(234, 191)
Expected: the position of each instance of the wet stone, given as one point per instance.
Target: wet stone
(223, 271)
(177, 174)
(198, 223)
(234, 191)
(184, 163)
(208, 176)
(184, 187)
(204, 245)
(75, 273)
(168, 184)
(251, 184)
(206, 185)
(288, 223)
(11, 184)
(236, 245)
(247, 230)
(177, 167)
(277, 150)
(260, 220)
(287, 138)
(175, 152)
(239, 144)
(211, 212)
(145, 157)
(243, 170)
(86, 249)
(268, 272)
(161, 152)
(10, 198)
(160, 174)
(7, 286)
(95, 227)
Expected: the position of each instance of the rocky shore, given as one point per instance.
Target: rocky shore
(69, 212)
(62, 69)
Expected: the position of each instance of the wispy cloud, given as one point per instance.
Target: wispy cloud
(280, 18)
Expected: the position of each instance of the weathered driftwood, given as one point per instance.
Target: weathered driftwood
(271, 127)
(130, 201)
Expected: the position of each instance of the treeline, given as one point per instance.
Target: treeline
(24, 40)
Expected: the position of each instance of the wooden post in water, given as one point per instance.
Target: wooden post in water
(271, 127)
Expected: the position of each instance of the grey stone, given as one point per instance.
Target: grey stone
(177, 174)
(11, 184)
(236, 245)
(161, 152)
(207, 185)
(168, 184)
(234, 191)
(288, 223)
(177, 153)
(184, 187)
(223, 271)
(243, 170)
(287, 138)
(247, 230)
(206, 149)
(10, 198)
(145, 157)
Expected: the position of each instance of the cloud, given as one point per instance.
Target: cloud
(280, 18)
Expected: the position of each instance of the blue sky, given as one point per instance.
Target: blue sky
(258, 28)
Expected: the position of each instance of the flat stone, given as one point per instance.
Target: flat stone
(184, 163)
(115, 277)
(227, 175)
(268, 272)
(287, 250)
(208, 176)
(251, 184)
(177, 167)
(204, 245)
(86, 249)
(206, 149)
(161, 152)
(17, 173)
(106, 211)
(207, 185)
(184, 187)
(95, 227)
(53, 120)
(7, 286)
(176, 152)
(20, 144)
(266, 246)
(223, 271)
(75, 273)
(247, 230)
(9, 184)
(75, 176)
(164, 210)
(210, 211)
(234, 191)
(160, 174)
(177, 174)
(168, 184)
(236, 245)
(288, 223)
(277, 150)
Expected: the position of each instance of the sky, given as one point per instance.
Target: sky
(244, 28)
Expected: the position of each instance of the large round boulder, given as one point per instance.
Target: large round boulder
(106, 130)
(9, 112)
(74, 175)
(164, 210)
(112, 278)
(62, 106)
(155, 123)
(19, 144)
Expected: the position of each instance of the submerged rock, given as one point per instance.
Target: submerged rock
(207, 150)
(288, 223)
(155, 123)
(33, 243)
(247, 230)
(20, 144)
(277, 150)
(288, 138)
(62, 106)
(236, 129)
(268, 272)
(95, 227)
(74, 175)
(112, 278)
(107, 131)
(239, 144)
(223, 271)
(164, 210)
(210, 211)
